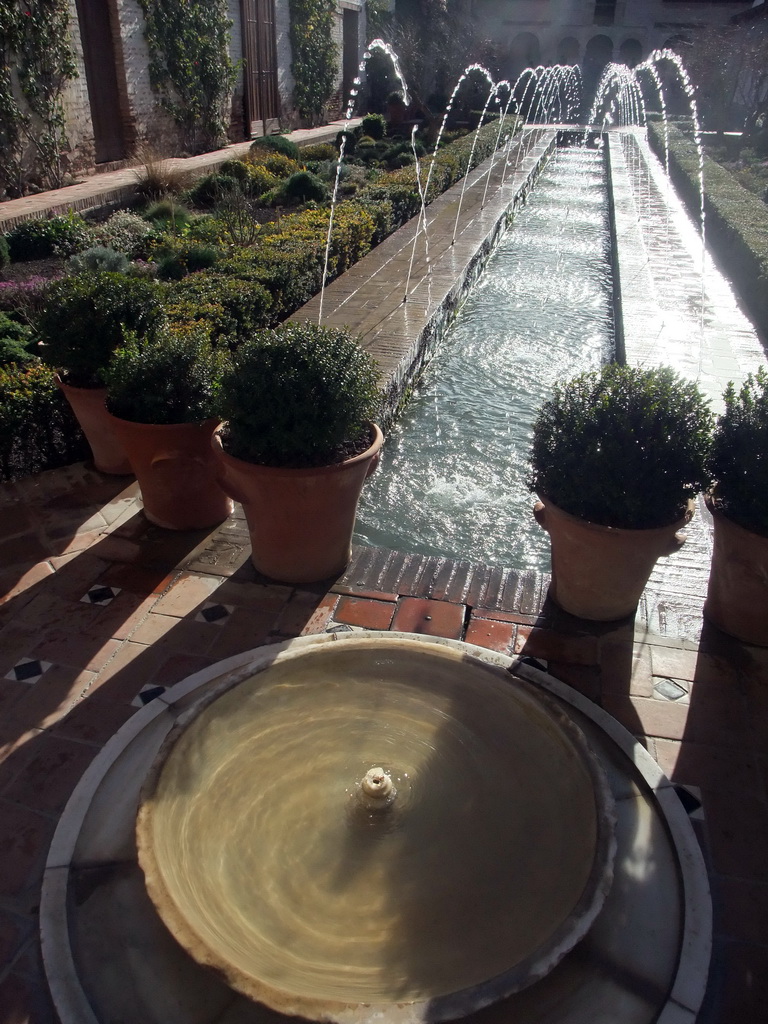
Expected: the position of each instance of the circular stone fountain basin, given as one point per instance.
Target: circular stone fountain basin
(265, 857)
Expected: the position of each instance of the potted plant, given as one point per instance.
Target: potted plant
(298, 445)
(161, 394)
(617, 456)
(83, 322)
(737, 598)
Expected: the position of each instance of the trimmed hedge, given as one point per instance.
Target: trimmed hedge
(37, 428)
(251, 286)
(736, 220)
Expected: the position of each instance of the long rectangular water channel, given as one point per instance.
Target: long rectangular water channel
(452, 480)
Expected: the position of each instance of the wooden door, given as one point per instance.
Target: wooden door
(262, 101)
(101, 75)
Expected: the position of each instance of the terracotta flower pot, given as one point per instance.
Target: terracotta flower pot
(91, 412)
(300, 521)
(737, 598)
(176, 472)
(600, 572)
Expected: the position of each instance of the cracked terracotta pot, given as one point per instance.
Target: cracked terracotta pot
(300, 521)
(737, 596)
(176, 472)
(600, 572)
(88, 406)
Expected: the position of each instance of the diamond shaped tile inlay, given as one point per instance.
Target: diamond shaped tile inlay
(146, 694)
(216, 614)
(100, 595)
(670, 689)
(28, 670)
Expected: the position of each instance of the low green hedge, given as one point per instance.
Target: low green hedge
(37, 428)
(247, 287)
(736, 221)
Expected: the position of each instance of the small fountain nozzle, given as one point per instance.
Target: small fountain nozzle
(377, 789)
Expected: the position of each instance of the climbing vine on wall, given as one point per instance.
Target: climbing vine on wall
(190, 67)
(37, 61)
(315, 65)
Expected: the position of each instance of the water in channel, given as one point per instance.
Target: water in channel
(452, 480)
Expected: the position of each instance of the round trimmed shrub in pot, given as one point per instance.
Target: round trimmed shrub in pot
(737, 598)
(84, 321)
(617, 456)
(299, 444)
(161, 395)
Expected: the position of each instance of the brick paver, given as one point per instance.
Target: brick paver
(709, 732)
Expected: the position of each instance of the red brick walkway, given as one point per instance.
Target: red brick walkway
(100, 608)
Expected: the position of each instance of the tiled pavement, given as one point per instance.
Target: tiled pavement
(101, 609)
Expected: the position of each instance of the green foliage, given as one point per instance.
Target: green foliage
(37, 428)
(207, 191)
(169, 215)
(170, 376)
(53, 236)
(86, 318)
(16, 342)
(187, 257)
(739, 460)
(318, 151)
(273, 144)
(5, 252)
(314, 63)
(622, 446)
(298, 396)
(190, 66)
(231, 307)
(374, 125)
(38, 60)
(304, 186)
(99, 257)
(124, 232)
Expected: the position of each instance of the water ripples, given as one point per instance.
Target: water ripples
(453, 475)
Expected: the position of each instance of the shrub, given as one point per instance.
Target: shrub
(5, 252)
(622, 446)
(739, 459)
(37, 428)
(206, 192)
(274, 143)
(16, 342)
(26, 298)
(55, 236)
(170, 376)
(169, 215)
(230, 306)
(86, 318)
(303, 186)
(237, 169)
(280, 165)
(374, 125)
(261, 180)
(298, 396)
(159, 177)
(318, 151)
(99, 257)
(125, 232)
(188, 257)
(349, 139)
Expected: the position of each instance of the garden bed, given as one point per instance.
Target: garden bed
(249, 260)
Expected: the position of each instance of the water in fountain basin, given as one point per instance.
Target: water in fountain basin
(453, 474)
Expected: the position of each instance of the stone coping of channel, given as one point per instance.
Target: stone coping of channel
(70, 1000)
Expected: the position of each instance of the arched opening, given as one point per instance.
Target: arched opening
(524, 52)
(597, 53)
(568, 51)
(630, 53)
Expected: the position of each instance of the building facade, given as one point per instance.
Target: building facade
(111, 108)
